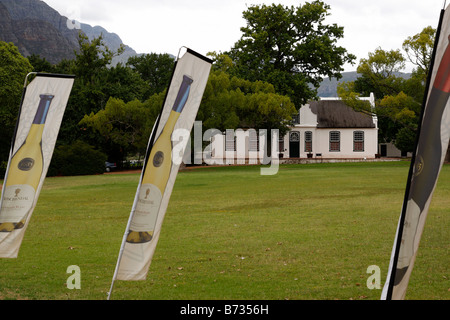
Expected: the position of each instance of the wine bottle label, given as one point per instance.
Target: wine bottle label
(158, 159)
(146, 210)
(26, 164)
(17, 201)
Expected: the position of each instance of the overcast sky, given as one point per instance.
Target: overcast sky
(214, 25)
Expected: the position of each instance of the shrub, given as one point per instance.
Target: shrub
(78, 158)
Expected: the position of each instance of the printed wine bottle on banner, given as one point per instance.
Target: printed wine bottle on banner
(24, 173)
(156, 174)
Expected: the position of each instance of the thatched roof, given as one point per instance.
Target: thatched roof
(336, 114)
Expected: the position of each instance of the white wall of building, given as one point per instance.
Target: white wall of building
(321, 143)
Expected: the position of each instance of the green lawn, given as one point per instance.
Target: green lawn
(308, 232)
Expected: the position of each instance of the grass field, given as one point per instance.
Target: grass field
(308, 232)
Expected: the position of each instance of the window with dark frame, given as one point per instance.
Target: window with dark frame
(308, 141)
(281, 144)
(358, 141)
(335, 141)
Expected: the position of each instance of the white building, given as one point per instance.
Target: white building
(325, 129)
(328, 128)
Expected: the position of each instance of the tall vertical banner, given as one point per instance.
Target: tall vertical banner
(40, 114)
(431, 147)
(164, 154)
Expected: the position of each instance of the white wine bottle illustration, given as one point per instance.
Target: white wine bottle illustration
(25, 172)
(156, 174)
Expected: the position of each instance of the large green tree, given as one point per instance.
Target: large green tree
(230, 102)
(291, 48)
(124, 126)
(155, 69)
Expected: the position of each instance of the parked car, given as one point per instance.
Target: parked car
(109, 166)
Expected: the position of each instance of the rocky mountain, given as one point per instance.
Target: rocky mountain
(36, 28)
(111, 40)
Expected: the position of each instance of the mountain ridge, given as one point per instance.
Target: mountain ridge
(36, 28)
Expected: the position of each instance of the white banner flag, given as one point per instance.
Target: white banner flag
(42, 108)
(433, 139)
(161, 165)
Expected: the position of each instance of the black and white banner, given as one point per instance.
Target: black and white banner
(432, 143)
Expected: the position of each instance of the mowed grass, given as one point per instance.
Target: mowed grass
(308, 232)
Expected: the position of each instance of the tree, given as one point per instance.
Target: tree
(89, 92)
(419, 49)
(154, 69)
(122, 83)
(222, 62)
(399, 99)
(290, 48)
(217, 109)
(13, 70)
(41, 64)
(380, 73)
(77, 158)
(124, 127)
(399, 116)
(230, 102)
(92, 58)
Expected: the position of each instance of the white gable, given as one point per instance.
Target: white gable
(307, 117)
